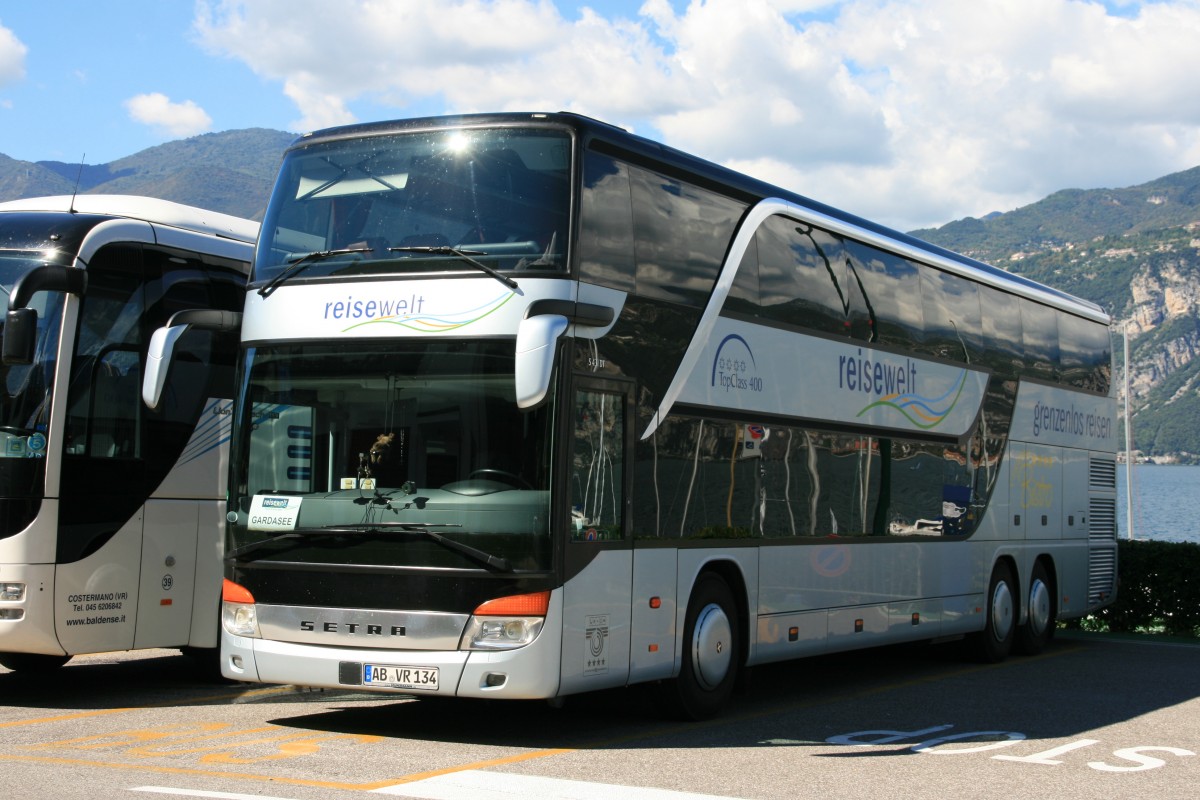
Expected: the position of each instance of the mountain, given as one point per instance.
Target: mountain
(1134, 251)
(231, 172)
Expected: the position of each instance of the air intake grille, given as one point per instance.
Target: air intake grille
(1102, 573)
(1102, 474)
(1102, 519)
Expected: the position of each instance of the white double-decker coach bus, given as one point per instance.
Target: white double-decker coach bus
(111, 513)
(529, 406)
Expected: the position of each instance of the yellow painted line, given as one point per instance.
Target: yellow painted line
(491, 762)
(249, 776)
(100, 712)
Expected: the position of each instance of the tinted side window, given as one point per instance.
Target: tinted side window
(179, 281)
(1086, 353)
(893, 292)
(682, 233)
(802, 276)
(952, 325)
(598, 467)
(104, 409)
(1040, 334)
(606, 224)
(1001, 316)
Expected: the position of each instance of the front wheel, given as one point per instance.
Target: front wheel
(993, 643)
(1038, 630)
(711, 641)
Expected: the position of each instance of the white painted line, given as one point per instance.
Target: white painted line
(202, 793)
(477, 784)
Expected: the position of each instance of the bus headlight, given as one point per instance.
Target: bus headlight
(239, 619)
(500, 633)
(12, 591)
(506, 622)
(239, 615)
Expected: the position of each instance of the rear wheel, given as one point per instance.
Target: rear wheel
(993, 643)
(711, 639)
(1038, 630)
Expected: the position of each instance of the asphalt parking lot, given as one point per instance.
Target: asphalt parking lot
(1092, 717)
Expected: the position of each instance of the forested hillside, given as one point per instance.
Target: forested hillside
(230, 172)
(1135, 252)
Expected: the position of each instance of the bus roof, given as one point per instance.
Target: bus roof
(713, 176)
(149, 209)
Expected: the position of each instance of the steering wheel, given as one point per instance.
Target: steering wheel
(14, 431)
(507, 477)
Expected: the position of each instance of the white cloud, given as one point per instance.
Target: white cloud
(12, 57)
(910, 111)
(172, 119)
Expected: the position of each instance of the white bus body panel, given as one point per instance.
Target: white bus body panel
(654, 631)
(844, 596)
(168, 574)
(202, 471)
(34, 632)
(528, 673)
(95, 598)
(596, 624)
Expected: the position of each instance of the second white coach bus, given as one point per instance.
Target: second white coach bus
(529, 406)
(111, 513)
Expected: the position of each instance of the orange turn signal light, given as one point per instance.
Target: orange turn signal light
(233, 593)
(534, 604)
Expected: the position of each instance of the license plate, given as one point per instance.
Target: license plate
(397, 676)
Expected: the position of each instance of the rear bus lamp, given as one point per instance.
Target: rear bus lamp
(506, 622)
(239, 615)
(12, 591)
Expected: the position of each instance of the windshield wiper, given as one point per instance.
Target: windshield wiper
(365, 528)
(465, 255)
(304, 262)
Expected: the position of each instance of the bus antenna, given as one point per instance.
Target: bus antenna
(78, 178)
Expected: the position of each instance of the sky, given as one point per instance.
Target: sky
(909, 112)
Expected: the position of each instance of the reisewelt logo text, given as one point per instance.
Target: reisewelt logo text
(410, 312)
(894, 384)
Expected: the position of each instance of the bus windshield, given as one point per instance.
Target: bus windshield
(419, 202)
(395, 455)
(25, 401)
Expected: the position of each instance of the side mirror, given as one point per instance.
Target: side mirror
(164, 339)
(536, 340)
(20, 324)
(20, 336)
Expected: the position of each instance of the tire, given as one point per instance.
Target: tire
(993, 644)
(711, 653)
(1040, 621)
(32, 664)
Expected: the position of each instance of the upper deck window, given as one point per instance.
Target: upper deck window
(405, 203)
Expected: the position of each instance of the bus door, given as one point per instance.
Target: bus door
(599, 558)
(103, 464)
